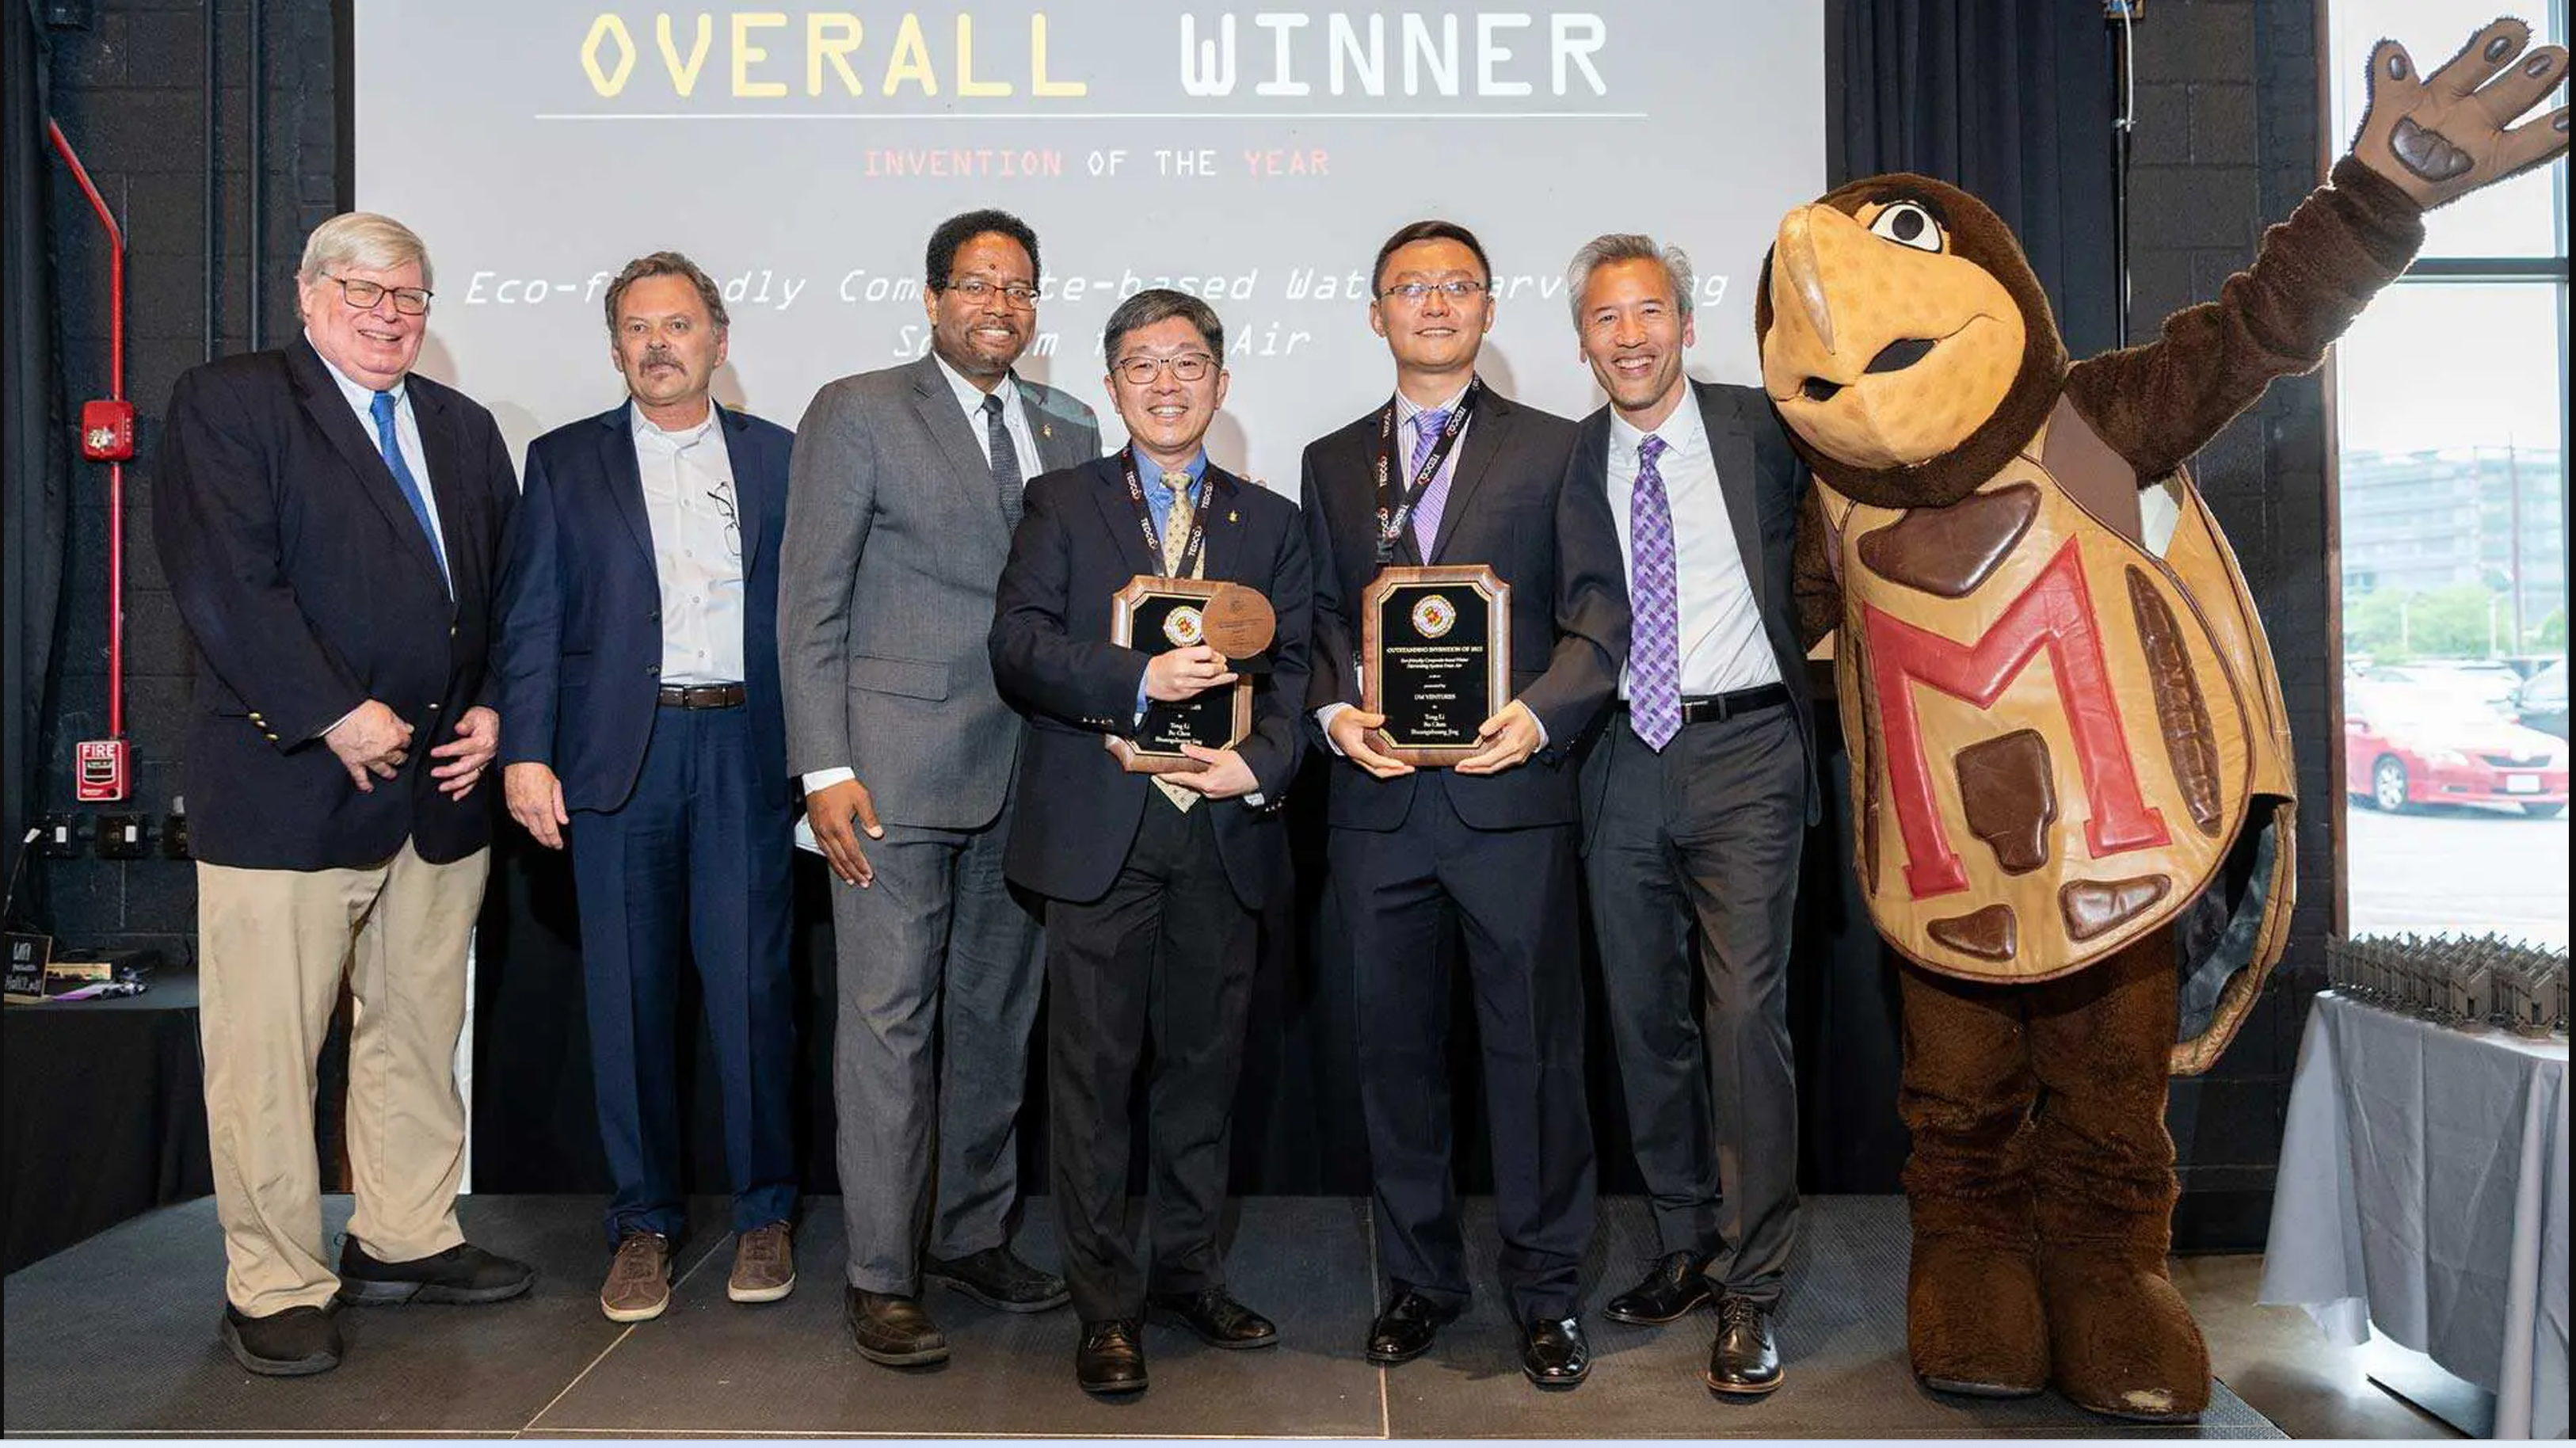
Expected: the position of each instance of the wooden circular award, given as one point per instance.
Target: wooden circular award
(1239, 622)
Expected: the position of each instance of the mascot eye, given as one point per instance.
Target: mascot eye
(1907, 224)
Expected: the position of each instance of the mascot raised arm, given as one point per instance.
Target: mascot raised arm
(2071, 767)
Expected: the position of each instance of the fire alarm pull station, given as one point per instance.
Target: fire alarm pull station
(103, 769)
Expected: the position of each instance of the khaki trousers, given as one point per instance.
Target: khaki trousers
(273, 947)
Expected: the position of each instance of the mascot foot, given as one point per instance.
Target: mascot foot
(1973, 1322)
(2121, 1341)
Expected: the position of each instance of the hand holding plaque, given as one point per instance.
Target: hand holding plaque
(1156, 616)
(1436, 659)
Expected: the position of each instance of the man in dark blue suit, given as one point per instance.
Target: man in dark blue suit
(1450, 472)
(331, 524)
(639, 683)
(1152, 882)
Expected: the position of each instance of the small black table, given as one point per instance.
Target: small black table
(105, 1110)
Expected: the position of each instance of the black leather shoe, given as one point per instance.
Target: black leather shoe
(1111, 1358)
(892, 1330)
(295, 1343)
(463, 1274)
(1672, 1287)
(1404, 1331)
(998, 1279)
(1745, 1360)
(1215, 1316)
(1553, 1352)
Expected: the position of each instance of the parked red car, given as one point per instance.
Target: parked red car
(2407, 745)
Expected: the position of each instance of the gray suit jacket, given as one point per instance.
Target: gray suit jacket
(895, 539)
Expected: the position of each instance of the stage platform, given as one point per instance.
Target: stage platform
(117, 1336)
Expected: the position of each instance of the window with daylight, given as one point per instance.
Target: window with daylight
(2451, 422)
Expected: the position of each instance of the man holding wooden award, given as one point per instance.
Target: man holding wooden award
(1469, 618)
(1151, 625)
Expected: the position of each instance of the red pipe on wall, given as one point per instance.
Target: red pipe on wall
(115, 470)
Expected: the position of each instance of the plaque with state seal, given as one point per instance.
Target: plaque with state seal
(1154, 615)
(1436, 659)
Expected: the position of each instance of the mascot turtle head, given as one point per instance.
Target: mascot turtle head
(1905, 340)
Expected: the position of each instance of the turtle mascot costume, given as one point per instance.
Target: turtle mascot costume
(2071, 768)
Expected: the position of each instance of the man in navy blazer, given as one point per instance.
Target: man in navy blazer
(330, 524)
(641, 720)
(1153, 884)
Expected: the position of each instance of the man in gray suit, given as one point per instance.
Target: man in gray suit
(902, 495)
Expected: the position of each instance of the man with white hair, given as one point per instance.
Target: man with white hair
(1696, 799)
(331, 527)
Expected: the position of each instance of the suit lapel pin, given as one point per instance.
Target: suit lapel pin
(1233, 517)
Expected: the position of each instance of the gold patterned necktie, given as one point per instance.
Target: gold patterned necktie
(1176, 523)
(1176, 541)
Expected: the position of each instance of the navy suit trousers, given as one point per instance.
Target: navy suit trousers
(693, 866)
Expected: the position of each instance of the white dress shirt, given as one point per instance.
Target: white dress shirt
(1015, 421)
(1015, 416)
(690, 501)
(1723, 644)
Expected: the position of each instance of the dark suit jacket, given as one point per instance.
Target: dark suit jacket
(580, 652)
(1509, 508)
(1762, 481)
(1077, 810)
(309, 589)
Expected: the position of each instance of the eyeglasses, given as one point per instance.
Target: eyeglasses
(1188, 367)
(722, 492)
(976, 289)
(363, 295)
(1456, 289)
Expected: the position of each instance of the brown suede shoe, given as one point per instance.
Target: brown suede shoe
(639, 1279)
(764, 1265)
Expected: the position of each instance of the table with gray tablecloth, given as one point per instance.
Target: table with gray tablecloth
(2423, 1190)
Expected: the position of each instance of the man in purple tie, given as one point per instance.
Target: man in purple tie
(1449, 471)
(1695, 801)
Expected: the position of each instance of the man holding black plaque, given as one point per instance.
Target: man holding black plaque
(1695, 801)
(1151, 623)
(1462, 492)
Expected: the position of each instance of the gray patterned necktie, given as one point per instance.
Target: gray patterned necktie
(1006, 459)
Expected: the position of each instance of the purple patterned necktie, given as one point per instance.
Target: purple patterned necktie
(1426, 514)
(1654, 603)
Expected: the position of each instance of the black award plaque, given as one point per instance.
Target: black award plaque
(1436, 659)
(1155, 615)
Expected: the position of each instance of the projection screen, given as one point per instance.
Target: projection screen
(1252, 156)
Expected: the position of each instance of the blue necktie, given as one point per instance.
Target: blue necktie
(391, 447)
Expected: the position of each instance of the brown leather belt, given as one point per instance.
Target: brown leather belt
(1718, 708)
(702, 696)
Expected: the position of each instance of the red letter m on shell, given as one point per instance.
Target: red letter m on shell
(2055, 613)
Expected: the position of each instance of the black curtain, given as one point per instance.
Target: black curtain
(2010, 100)
(34, 495)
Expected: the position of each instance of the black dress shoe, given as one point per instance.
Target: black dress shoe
(1111, 1358)
(463, 1274)
(295, 1343)
(892, 1330)
(1745, 1360)
(1215, 1316)
(1553, 1352)
(1404, 1331)
(1672, 1287)
(998, 1279)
